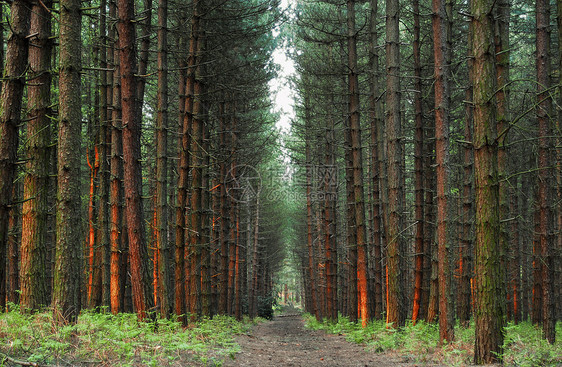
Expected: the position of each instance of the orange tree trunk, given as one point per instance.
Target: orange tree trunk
(376, 125)
(395, 155)
(104, 139)
(138, 252)
(418, 166)
(359, 196)
(94, 275)
(442, 96)
(116, 222)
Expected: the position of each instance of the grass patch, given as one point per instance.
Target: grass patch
(117, 340)
(419, 343)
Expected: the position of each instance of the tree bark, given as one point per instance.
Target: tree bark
(357, 159)
(395, 156)
(66, 289)
(488, 282)
(329, 188)
(224, 201)
(465, 246)
(309, 216)
(117, 228)
(162, 243)
(10, 119)
(502, 98)
(104, 141)
(545, 172)
(185, 93)
(34, 246)
(138, 253)
(418, 167)
(442, 96)
(12, 267)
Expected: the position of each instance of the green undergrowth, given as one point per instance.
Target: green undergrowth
(103, 339)
(420, 343)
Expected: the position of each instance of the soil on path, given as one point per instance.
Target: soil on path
(286, 342)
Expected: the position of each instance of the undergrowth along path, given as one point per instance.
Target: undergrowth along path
(286, 342)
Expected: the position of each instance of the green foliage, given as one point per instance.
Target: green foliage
(107, 339)
(265, 306)
(524, 345)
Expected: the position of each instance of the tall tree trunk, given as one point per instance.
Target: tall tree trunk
(502, 51)
(351, 284)
(162, 243)
(488, 282)
(239, 270)
(117, 229)
(138, 253)
(104, 140)
(514, 261)
(376, 123)
(94, 275)
(358, 193)
(13, 289)
(34, 246)
(197, 160)
(330, 183)
(224, 201)
(10, 119)
(418, 166)
(558, 219)
(255, 264)
(66, 289)
(145, 35)
(545, 171)
(395, 155)
(309, 216)
(442, 97)
(527, 242)
(201, 113)
(465, 248)
(185, 92)
(233, 175)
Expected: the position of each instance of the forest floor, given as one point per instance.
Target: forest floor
(285, 341)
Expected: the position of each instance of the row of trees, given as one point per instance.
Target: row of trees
(458, 216)
(105, 200)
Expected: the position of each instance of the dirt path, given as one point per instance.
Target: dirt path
(285, 342)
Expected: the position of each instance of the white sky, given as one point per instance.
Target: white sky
(281, 94)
